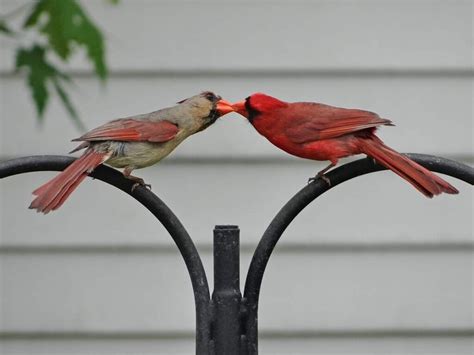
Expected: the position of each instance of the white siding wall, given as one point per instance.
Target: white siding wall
(371, 267)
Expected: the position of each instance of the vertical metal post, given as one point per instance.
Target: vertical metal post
(226, 328)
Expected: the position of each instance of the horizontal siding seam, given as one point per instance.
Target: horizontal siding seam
(246, 248)
(462, 72)
(264, 334)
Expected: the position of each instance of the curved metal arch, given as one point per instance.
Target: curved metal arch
(158, 208)
(302, 199)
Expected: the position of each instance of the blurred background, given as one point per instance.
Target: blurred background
(372, 267)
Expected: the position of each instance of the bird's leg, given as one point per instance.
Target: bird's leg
(138, 181)
(320, 174)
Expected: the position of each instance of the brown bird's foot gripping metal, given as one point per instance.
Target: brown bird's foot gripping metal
(226, 323)
(138, 182)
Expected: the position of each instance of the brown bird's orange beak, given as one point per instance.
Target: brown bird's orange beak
(239, 107)
(224, 107)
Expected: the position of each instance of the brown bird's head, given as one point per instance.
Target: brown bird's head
(207, 106)
(257, 104)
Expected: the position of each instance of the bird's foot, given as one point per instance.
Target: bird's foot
(135, 185)
(138, 182)
(320, 176)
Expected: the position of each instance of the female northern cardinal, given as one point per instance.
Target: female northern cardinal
(132, 143)
(321, 132)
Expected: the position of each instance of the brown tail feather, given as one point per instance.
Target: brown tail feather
(52, 194)
(421, 178)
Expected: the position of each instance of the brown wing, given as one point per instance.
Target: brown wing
(130, 130)
(310, 121)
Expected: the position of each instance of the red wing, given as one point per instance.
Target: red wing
(311, 122)
(133, 131)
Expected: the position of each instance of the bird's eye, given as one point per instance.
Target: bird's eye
(210, 96)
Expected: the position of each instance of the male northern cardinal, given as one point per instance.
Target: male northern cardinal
(132, 143)
(320, 132)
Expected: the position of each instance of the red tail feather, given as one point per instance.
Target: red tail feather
(52, 194)
(421, 178)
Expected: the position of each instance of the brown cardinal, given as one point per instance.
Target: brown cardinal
(320, 132)
(132, 143)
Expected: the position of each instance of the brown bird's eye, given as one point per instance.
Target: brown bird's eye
(210, 96)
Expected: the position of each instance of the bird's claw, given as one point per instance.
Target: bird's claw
(320, 176)
(138, 182)
(326, 179)
(142, 183)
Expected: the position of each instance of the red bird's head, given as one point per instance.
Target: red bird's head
(257, 104)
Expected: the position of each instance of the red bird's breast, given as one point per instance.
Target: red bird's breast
(314, 131)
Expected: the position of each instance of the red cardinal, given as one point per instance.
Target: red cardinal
(320, 132)
(132, 143)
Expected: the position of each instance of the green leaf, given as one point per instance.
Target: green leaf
(68, 105)
(66, 26)
(113, 2)
(40, 73)
(33, 18)
(5, 29)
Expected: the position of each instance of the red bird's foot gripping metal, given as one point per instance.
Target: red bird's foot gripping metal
(320, 176)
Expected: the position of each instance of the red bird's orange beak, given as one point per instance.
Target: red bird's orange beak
(239, 107)
(224, 107)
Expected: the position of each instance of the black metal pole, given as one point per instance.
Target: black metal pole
(226, 298)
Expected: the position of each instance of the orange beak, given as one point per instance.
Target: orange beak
(239, 107)
(224, 107)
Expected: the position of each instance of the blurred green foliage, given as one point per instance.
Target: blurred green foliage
(39, 73)
(62, 27)
(4, 28)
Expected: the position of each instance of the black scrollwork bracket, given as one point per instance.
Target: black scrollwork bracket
(227, 323)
